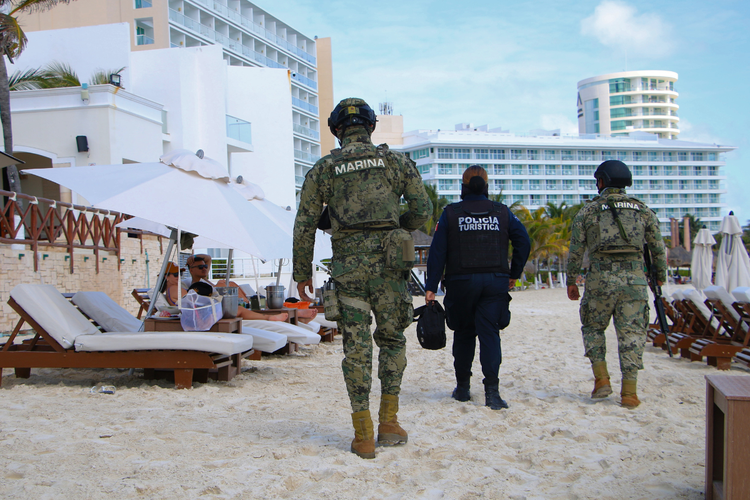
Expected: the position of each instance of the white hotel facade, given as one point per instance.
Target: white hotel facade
(673, 177)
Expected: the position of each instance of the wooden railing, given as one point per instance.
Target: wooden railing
(28, 220)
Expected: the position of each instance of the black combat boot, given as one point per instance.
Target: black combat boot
(492, 397)
(461, 392)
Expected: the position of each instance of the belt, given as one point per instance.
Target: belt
(365, 242)
(617, 266)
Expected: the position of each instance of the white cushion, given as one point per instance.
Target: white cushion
(293, 333)
(106, 312)
(742, 293)
(719, 293)
(222, 343)
(53, 313)
(265, 341)
(321, 319)
(678, 295)
(695, 297)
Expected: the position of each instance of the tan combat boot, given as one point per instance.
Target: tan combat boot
(389, 432)
(364, 439)
(628, 394)
(602, 387)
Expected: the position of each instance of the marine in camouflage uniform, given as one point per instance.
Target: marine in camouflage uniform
(362, 185)
(614, 228)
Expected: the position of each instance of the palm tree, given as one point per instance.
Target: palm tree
(438, 204)
(12, 43)
(56, 75)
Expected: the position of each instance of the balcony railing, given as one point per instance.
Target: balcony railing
(302, 130)
(304, 105)
(298, 180)
(303, 155)
(305, 81)
(239, 130)
(143, 40)
(256, 28)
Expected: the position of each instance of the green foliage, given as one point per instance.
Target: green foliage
(438, 204)
(101, 76)
(56, 75)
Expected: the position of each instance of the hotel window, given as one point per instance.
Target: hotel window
(713, 170)
(567, 155)
(655, 198)
(516, 154)
(638, 156)
(497, 154)
(686, 198)
(517, 198)
(654, 170)
(654, 185)
(700, 198)
(684, 185)
(517, 169)
(567, 169)
(482, 154)
(499, 169)
(535, 200)
(419, 154)
(553, 198)
(617, 85)
(682, 156)
(713, 198)
(499, 184)
(446, 169)
(462, 153)
(535, 184)
(711, 156)
(670, 156)
(549, 154)
(697, 156)
(445, 153)
(447, 184)
(619, 100)
(425, 169)
(700, 184)
(585, 184)
(518, 184)
(622, 155)
(568, 184)
(552, 184)
(620, 112)
(713, 184)
(684, 170)
(638, 170)
(608, 155)
(533, 154)
(570, 199)
(669, 170)
(670, 185)
(653, 156)
(535, 170)
(550, 169)
(585, 156)
(698, 170)
(714, 211)
(639, 185)
(586, 170)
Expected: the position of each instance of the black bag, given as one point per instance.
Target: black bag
(430, 325)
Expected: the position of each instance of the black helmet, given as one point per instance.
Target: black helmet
(614, 173)
(351, 111)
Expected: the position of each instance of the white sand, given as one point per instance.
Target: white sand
(281, 429)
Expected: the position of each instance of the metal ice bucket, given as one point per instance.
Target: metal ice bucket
(230, 300)
(275, 296)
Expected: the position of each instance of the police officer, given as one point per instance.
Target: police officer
(614, 228)
(362, 185)
(471, 245)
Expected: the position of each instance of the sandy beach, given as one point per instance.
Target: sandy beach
(281, 428)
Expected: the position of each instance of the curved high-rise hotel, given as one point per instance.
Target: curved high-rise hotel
(619, 103)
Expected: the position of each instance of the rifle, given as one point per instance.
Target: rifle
(658, 304)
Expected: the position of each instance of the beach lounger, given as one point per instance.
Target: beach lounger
(699, 323)
(742, 306)
(297, 334)
(654, 333)
(726, 341)
(65, 338)
(328, 329)
(143, 298)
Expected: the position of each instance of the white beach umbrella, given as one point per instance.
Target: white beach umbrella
(703, 258)
(732, 262)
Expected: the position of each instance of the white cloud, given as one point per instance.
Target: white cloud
(619, 25)
(564, 123)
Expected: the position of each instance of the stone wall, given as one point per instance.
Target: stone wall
(54, 269)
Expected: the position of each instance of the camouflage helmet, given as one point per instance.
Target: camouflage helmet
(351, 111)
(614, 173)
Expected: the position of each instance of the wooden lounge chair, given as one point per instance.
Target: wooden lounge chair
(144, 300)
(726, 341)
(654, 333)
(65, 338)
(742, 306)
(699, 323)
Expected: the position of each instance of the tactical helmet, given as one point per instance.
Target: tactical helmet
(351, 111)
(614, 173)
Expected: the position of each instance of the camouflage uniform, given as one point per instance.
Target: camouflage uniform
(362, 183)
(615, 282)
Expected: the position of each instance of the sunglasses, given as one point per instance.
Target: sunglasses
(173, 274)
(202, 266)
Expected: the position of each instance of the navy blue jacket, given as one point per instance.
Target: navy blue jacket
(517, 235)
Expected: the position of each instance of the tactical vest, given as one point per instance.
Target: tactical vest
(606, 236)
(477, 237)
(363, 197)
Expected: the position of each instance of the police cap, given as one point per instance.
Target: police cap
(351, 111)
(614, 173)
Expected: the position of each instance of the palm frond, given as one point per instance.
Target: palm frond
(31, 79)
(31, 6)
(101, 76)
(12, 38)
(58, 74)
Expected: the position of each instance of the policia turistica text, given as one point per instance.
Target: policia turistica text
(471, 245)
(614, 228)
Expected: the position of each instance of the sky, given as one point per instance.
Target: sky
(516, 65)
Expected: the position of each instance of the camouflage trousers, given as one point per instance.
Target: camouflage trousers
(616, 290)
(364, 286)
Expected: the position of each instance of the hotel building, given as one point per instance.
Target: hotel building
(673, 177)
(247, 34)
(619, 103)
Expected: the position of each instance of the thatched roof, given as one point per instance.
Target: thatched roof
(679, 257)
(421, 239)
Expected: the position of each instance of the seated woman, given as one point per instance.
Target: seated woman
(198, 266)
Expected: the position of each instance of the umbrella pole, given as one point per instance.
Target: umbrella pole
(255, 272)
(160, 279)
(278, 275)
(229, 266)
(179, 281)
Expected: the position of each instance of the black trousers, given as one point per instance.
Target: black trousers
(476, 305)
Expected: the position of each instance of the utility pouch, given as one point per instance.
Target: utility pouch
(399, 250)
(331, 301)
